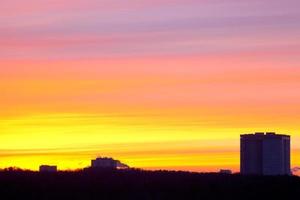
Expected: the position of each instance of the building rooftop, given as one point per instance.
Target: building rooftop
(262, 134)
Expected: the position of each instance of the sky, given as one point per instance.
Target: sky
(157, 84)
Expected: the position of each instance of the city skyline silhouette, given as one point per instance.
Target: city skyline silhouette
(261, 153)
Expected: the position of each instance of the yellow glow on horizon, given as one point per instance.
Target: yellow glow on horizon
(72, 140)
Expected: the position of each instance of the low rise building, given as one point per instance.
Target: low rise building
(107, 163)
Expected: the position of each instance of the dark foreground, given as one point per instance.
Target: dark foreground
(136, 184)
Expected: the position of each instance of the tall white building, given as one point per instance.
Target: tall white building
(265, 154)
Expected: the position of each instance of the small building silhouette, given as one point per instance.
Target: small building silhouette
(107, 163)
(265, 154)
(48, 168)
(104, 163)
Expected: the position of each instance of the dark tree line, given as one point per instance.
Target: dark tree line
(138, 184)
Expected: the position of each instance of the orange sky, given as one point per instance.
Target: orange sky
(187, 117)
(157, 85)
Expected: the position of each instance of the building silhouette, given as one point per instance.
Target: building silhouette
(107, 163)
(104, 162)
(265, 154)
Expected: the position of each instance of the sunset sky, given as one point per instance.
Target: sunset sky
(157, 84)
